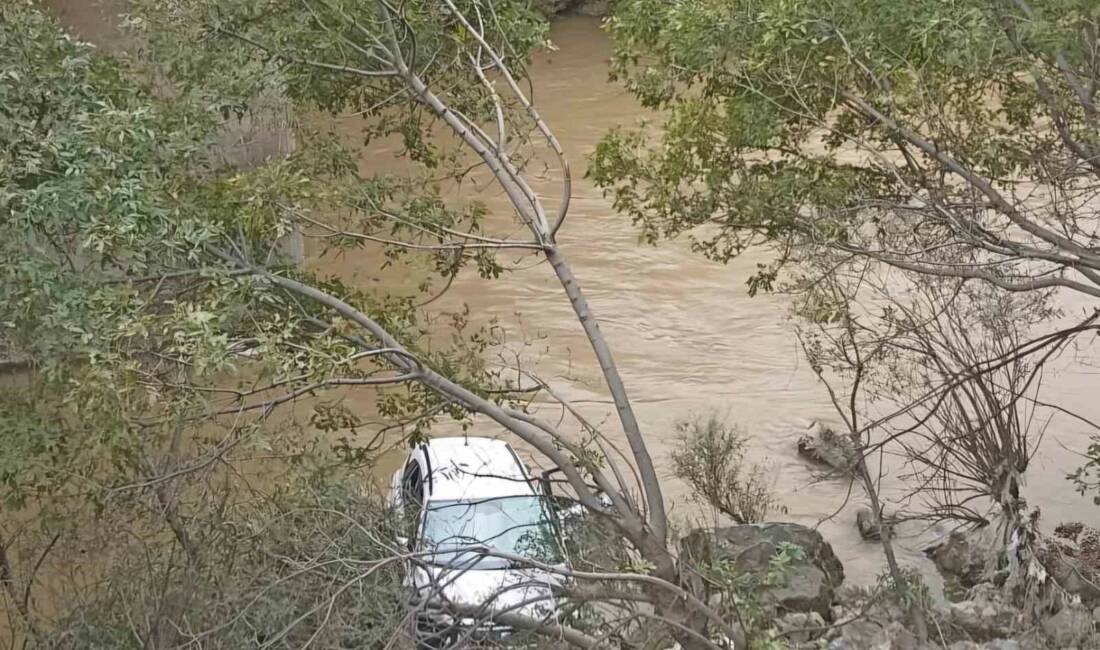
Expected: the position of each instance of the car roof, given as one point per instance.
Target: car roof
(469, 468)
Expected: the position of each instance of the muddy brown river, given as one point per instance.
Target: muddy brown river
(687, 337)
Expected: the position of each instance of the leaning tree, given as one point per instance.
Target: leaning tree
(165, 326)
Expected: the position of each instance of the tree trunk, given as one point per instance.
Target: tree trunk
(916, 611)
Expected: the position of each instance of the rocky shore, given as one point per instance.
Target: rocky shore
(1050, 601)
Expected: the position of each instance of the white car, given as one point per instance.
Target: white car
(463, 492)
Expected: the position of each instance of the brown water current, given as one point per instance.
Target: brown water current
(687, 337)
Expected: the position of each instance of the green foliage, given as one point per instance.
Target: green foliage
(779, 564)
(743, 594)
(1086, 478)
(909, 591)
(119, 222)
(244, 44)
(767, 135)
(711, 459)
(845, 136)
(306, 563)
(147, 424)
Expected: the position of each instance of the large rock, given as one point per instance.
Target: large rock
(985, 614)
(1069, 627)
(871, 635)
(827, 447)
(965, 555)
(1072, 558)
(807, 585)
(996, 644)
(1073, 575)
(801, 627)
(868, 527)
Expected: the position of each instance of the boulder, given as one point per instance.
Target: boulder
(1073, 576)
(805, 589)
(827, 447)
(807, 585)
(1069, 627)
(985, 614)
(801, 627)
(870, 635)
(964, 555)
(860, 634)
(868, 527)
(1072, 558)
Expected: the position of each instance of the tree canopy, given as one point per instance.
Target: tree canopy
(909, 165)
(164, 326)
(151, 353)
(946, 138)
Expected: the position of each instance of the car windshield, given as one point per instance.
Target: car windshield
(517, 525)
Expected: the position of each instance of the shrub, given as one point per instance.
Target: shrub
(711, 459)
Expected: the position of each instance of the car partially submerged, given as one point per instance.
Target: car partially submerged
(481, 534)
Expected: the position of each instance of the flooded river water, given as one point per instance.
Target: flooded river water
(687, 337)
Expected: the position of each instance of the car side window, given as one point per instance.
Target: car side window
(412, 494)
(412, 485)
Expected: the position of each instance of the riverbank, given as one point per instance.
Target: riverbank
(1039, 595)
